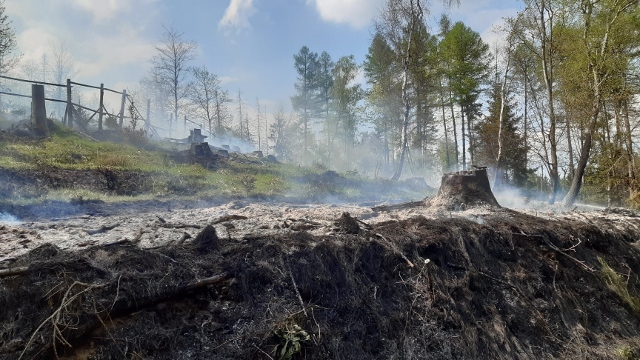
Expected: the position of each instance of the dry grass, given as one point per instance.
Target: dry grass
(619, 285)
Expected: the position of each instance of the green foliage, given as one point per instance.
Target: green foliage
(292, 337)
(514, 163)
(468, 59)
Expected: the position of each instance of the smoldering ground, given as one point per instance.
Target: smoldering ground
(247, 280)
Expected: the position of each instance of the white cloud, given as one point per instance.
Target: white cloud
(356, 13)
(237, 14)
(107, 9)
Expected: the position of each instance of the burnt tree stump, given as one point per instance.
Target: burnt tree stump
(464, 189)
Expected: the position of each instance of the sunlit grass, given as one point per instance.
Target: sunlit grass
(159, 176)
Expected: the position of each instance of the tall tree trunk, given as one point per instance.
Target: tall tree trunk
(405, 121)
(464, 145)
(415, 16)
(569, 148)
(576, 183)
(596, 55)
(526, 122)
(498, 180)
(444, 125)
(547, 71)
(469, 130)
(455, 130)
(631, 166)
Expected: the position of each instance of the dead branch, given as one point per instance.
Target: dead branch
(407, 205)
(124, 241)
(54, 318)
(562, 251)
(206, 282)
(226, 218)
(181, 226)
(102, 229)
(184, 237)
(295, 287)
(391, 246)
(367, 226)
(14, 271)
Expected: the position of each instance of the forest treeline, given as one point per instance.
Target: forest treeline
(551, 108)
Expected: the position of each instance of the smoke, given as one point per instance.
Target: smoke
(233, 142)
(514, 198)
(8, 219)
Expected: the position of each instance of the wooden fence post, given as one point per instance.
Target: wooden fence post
(69, 105)
(100, 109)
(147, 121)
(38, 111)
(124, 100)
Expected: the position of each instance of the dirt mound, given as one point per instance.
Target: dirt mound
(504, 286)
(464, 189)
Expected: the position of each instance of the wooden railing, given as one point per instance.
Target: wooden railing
(72, 112)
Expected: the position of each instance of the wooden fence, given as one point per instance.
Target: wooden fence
(72, 112)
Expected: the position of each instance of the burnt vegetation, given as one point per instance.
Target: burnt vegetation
(510, 286)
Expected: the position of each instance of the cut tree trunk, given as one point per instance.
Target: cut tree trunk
(464, 189)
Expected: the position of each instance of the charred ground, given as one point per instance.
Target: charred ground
(490, 284)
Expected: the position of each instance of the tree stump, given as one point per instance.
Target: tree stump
(464, 189)
(201, 150)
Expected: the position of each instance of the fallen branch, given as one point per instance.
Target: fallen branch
(393, 248)
(226, 218)
(295, 287)
(367, 226)
(206, 282)
(102, 229)
(54, 318)
(184, 237)
(561, 251)
(180, 226)
(14, 271)
(407, 205)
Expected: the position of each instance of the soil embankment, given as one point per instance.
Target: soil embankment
(305, 282)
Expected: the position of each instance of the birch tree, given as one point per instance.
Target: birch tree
(209, 100)
(398, 24)
(170, 67)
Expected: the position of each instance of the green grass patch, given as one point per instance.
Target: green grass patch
(124, 172)
(616, 283)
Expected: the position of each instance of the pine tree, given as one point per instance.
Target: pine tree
(305, 102)
(513, 170)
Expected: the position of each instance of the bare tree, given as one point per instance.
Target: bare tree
(8, 42)
(61, 67)
(170, 66)
(209, 100)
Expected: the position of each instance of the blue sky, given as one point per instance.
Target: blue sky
(248, 43)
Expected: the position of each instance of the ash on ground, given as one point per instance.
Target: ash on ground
(255, 280)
